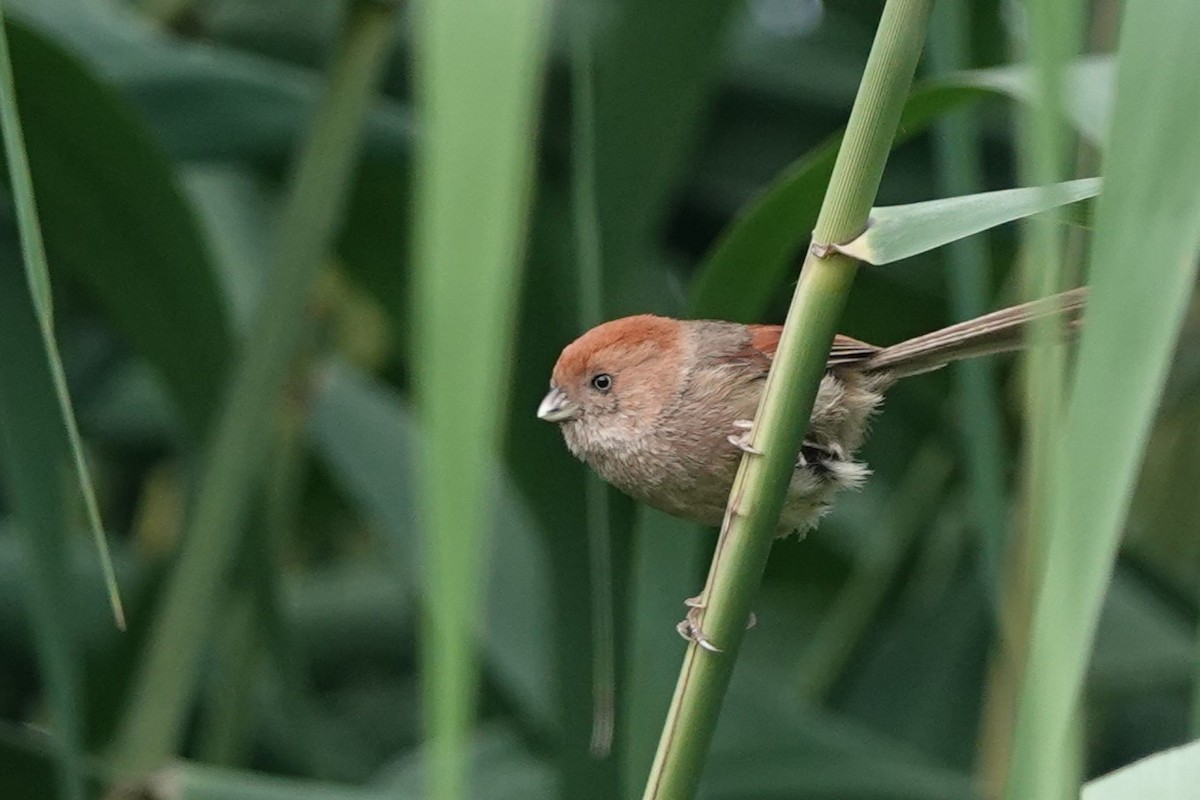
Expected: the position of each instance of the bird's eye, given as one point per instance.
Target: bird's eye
(602, 382)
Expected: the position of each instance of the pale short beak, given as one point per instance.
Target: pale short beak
(556, 407)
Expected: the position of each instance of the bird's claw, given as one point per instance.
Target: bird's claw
(689, 627)
(742, 440)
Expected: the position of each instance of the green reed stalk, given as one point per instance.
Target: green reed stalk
(758, 491)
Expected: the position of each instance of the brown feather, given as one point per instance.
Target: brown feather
(845, 350)
(998, 332)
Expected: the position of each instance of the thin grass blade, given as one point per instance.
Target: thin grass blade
(958, 150)
(38, 277)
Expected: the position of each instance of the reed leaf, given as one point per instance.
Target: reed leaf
(478, 80)
(1143, 267)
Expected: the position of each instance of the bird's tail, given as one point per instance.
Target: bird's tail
(998, 332)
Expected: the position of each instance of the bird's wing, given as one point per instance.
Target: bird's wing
(845, 350)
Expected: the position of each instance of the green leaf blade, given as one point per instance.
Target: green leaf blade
(478, 78)
(38, 277)
(898, 232)
(1142, 272)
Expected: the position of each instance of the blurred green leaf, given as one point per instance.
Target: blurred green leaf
(898, 232)
(500, 768)
(26, 765)
(1089, 85)
(478, 79)
(958, 152)
(33, 452)
(370, 440)
(375, 241)
(204, 102)
(210, 103)
(1160, 529)
(1170, 775)
(552, 482)
(113, 214)
(655, 69)
(769, 749)
(1143, 269)
(37, 274)
(914, 677)
(1143, 641)
(192, 781)
(240, 442)
(667, 567)
(233, 208)
(750, 261)
(857, 605)
(802, 53)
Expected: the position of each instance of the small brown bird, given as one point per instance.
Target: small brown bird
(660, 407)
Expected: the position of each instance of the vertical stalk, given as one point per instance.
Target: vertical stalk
(1053, 39)
(957, 150)
(757, 496)
(588, 248)
(478, 70)
(1134, 318)
(168, 673)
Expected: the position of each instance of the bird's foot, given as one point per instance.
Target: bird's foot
(689, 627)
(741, 440)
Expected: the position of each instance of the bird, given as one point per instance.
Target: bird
(661, 408)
